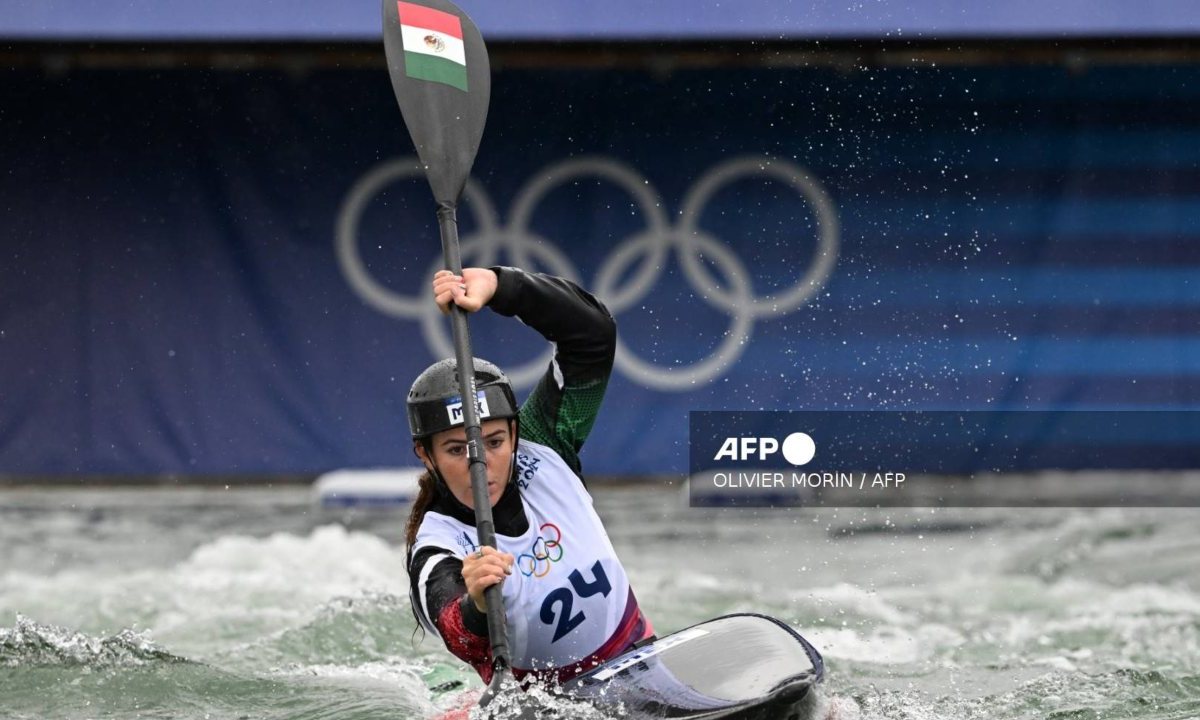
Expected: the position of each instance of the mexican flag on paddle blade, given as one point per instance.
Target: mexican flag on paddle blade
(433, 45)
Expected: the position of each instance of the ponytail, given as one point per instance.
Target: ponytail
(416, 516)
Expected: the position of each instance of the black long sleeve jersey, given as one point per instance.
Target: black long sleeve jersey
(559, 414)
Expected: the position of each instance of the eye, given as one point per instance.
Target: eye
(495, 443)
(456, 450)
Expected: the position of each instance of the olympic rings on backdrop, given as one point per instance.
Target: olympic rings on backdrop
(639, 259)
(543, 552)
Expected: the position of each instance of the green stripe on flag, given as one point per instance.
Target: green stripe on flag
(435, 69)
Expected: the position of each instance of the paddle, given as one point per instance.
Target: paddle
(442, 80)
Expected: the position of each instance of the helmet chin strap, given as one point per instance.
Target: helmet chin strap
(514, 427)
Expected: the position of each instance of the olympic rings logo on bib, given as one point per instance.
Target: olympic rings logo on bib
(542, 554)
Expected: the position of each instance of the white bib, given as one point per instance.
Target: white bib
(568, 590)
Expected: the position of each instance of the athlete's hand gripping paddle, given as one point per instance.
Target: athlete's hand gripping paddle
(440, 73)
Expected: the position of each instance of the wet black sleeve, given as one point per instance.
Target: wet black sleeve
(431, 593)
(562, 408)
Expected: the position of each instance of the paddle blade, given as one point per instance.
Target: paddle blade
(443, 82)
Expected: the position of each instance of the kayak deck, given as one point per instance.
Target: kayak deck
(735, 667)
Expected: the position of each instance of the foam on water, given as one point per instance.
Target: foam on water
(230, 589)
(29, 644)
(846, 601)
(254, 608)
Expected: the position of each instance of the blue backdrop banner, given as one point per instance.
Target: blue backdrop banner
(219, 272)
(620, 19)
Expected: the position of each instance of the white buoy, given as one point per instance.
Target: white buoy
(375, 488)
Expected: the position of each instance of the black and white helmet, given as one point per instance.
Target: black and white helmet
(434, 402)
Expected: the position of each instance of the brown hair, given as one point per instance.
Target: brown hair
(420, 506)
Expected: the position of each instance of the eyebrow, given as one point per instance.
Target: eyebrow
(448, 442)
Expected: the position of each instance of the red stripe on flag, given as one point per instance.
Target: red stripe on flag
(430, 19)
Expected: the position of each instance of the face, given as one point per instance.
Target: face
(450, 456)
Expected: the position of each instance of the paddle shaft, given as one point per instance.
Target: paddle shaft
(476, 457)
(445, 117)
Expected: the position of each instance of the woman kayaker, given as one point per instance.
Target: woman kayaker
(566, 595)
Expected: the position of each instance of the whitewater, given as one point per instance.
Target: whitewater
(215, 604)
